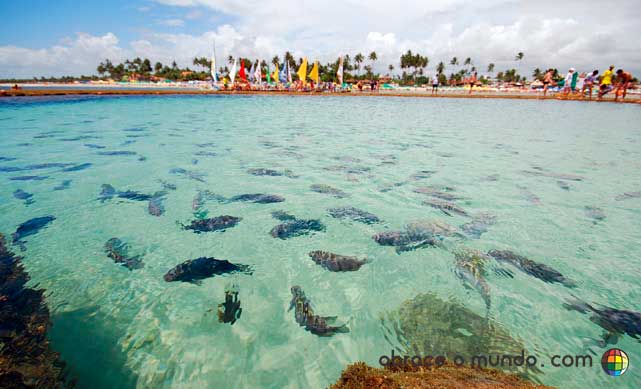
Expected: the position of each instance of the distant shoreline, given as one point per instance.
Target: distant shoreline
(459, 93)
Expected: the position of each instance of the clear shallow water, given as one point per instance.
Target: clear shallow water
(124, 328)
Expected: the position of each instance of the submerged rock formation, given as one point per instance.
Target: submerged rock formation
(26, 361)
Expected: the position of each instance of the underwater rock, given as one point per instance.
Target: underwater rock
(538, 270)
(26, 358)
(354, 214)
(196, 270)
(336, 262)
(429, 325)
(218, 223)
(117, 250)
(305, 317)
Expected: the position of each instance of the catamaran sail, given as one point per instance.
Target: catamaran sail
(232, 74)
(339, 73)
(313, 75)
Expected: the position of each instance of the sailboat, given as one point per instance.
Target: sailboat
(232, 74)
(214, 76)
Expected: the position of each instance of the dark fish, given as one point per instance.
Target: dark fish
(119, 152)
(79, 138)
(108, 192)
(355, 214)
(264, 172)
(30, 227)
(595, 214)
(7, 159)
(405, 240)
(134, 129)
(283, 216)
(218, 223)
(538, 270)
(229, 311)
(135, 196)
(478, 226)
(29, 178)
(470, 268)
(560, 176)
(446, 207)
(563, 185)
(189, 174)
(203, 145)
(117, 250)
(196, 270)
(305, 317)
(260, 198)
(63, 185)
(76, 168)
(296, 228)
(93, 146)
(628, 195)
(10, 169)
(336, 262)
(615, 321)
(127, 142)
(156, 206)
(205, 154)
(326, 189)
(436, 193)
(46, 166)
(529, 196)
(167, 185)
(22, 195)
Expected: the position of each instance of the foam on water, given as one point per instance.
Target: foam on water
(122, 328)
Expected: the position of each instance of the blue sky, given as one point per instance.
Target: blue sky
(59, 37)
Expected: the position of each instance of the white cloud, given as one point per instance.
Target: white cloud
(494, 31)
(172, 22)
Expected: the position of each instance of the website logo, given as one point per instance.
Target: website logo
(615, 362)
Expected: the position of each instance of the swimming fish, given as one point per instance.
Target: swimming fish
(305, 317)
(615, 322)
(260, 198)
(296, 227)
(326, 189)
(446, 207)
(156, 206)
(628, 195)
(479, 225)
(196, 270)
(470, 269)
(77, 167)
(406, 240)
(107, 192)
(63, 185)
(218, 223)
(594, 213)
(118, 152)
(336, 262)
(30, 227)
(229, 311)
(189, 174)
(117, 250)
(355, 214)
(22, 195)
(270, 172)
(535, 269)
(283, 216)
(439, 194)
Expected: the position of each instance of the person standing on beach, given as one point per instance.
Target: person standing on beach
(624, 79)
(435, 84)
(547, 81)
(606, 82)
(589, 83)
(567, 87)
(473, 81)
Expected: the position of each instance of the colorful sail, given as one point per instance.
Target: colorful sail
(257, 74)
(313, 75)
(339, 73)
(268, 75)
(282, 76)
(241, 73)
(252, 75)
(275, 74)
(232, 74)
(289, 73)
(302, 70)
(214, 77)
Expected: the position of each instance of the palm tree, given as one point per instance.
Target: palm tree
(537, 73)
(230, 59)
(440, 67)
(275, 60)
(391, 68)
(454, 61)
(358, 58)
(468, 61)
(490, 68)
(519, 58)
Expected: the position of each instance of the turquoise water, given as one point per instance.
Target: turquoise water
(121, 328)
